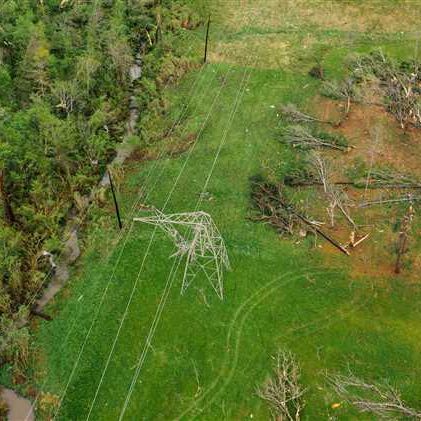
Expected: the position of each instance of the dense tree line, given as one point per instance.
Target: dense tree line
(64, 93)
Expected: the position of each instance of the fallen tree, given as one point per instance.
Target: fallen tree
(275, 209)
(304, 138)
(283, 390)
(381, 400)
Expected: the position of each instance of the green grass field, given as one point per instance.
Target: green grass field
(207, 356)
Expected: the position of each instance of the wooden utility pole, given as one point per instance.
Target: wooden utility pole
(206, 42)
(117, 210)
(9, 216)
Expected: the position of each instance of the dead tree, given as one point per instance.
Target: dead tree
(408, 198)
(283, 390)
(345, 90)
(301, 137)
(337, 197)
(9, 215)
(384, 401)
(402, 245)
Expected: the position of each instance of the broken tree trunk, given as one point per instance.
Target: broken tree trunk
(281, 214)
(323, 234)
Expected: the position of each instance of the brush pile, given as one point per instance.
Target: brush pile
(273, 206)
(399, 83)
(305, 138)
(292, 114)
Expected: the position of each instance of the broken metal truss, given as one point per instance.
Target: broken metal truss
(198, 239)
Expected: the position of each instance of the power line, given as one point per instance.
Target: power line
(123, 233)
(150, 244)
(171, 277)
(102, 299)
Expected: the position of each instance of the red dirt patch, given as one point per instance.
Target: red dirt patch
(378, 141)
(375, 136)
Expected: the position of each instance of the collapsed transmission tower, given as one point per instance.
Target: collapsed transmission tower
(198, 239)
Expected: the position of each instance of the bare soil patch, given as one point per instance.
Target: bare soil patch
(392, 146)
(377, 141)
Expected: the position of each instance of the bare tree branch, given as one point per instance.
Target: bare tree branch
(283, 391)
(382, 400)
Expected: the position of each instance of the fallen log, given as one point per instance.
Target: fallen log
(323, 234)
(381, 202)
(269, 198)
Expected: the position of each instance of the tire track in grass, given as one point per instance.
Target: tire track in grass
(245, 307)
(329, 318)
(214, 102)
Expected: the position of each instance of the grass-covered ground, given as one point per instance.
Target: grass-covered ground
(207, 356)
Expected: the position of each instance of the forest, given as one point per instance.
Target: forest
(65, 88)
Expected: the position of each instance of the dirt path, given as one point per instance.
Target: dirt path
(20, 409)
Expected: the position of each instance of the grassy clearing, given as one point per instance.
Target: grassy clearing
(207, 358)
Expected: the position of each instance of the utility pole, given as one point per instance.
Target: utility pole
(206, 42)
(117, 210)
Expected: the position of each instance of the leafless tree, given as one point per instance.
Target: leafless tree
(337, 197)
(283, 390)
(382, 400)
(65, 94)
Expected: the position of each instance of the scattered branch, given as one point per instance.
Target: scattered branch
(291, 113)
(283, 391)
(381, 400)
(301, 137)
